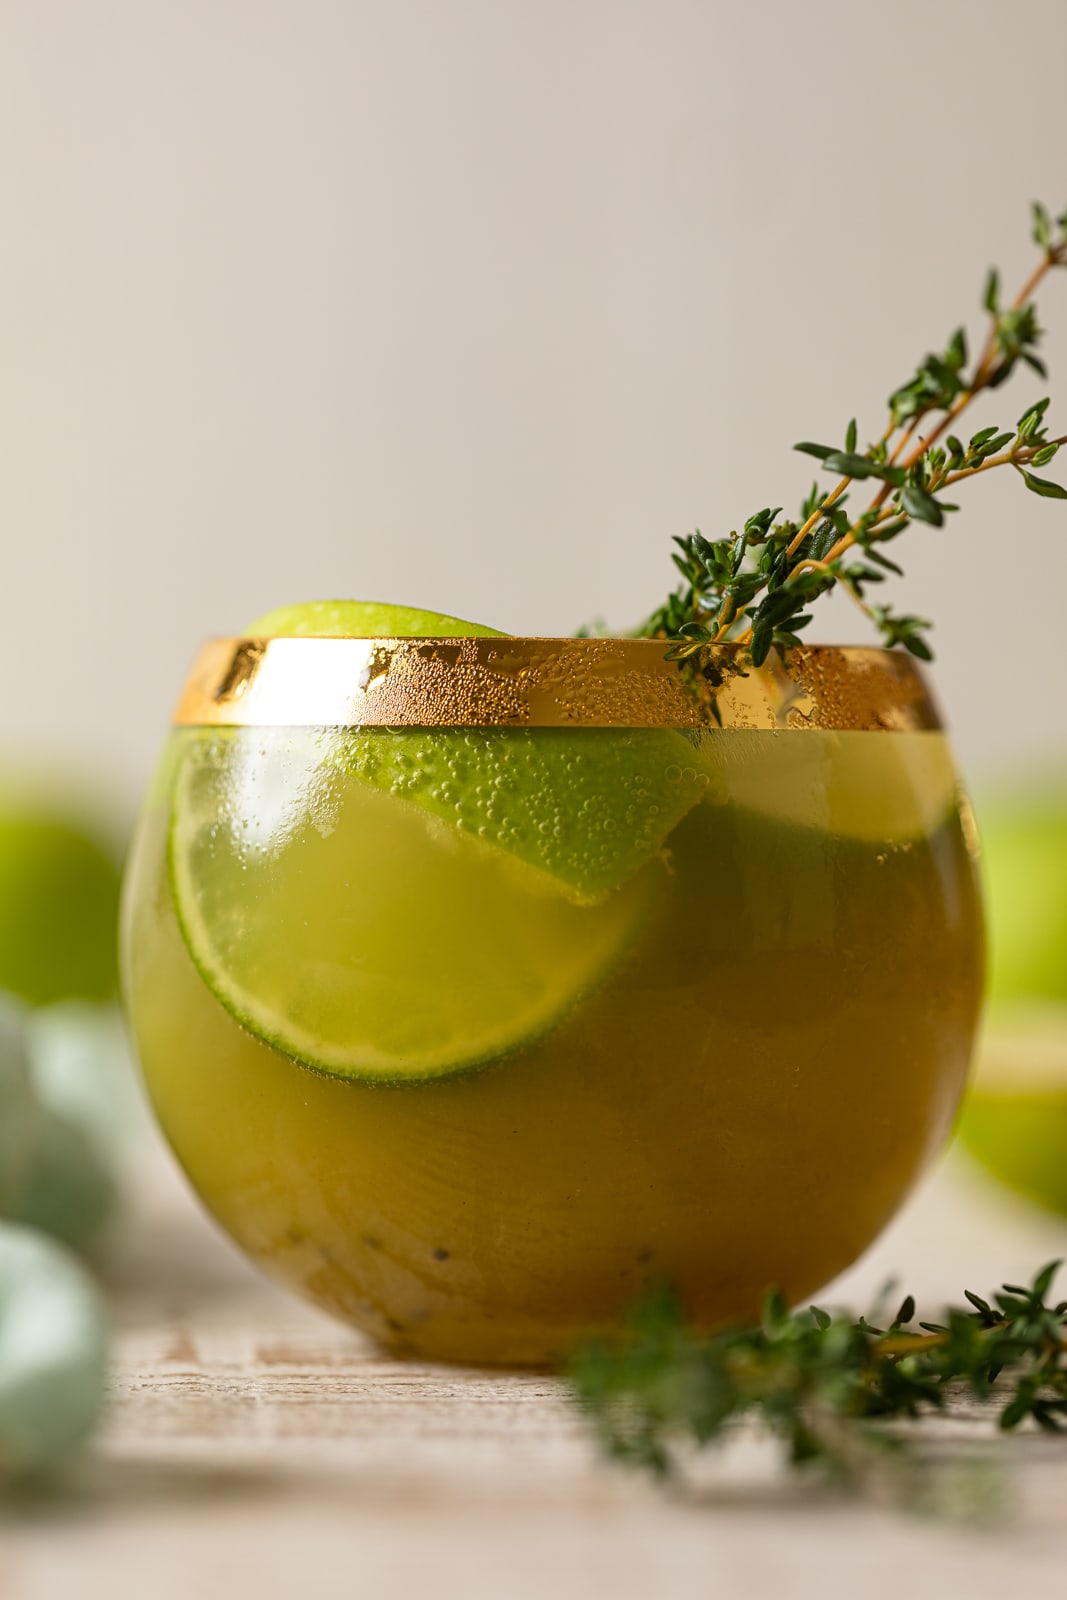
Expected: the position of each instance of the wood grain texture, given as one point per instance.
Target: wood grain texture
(255, 1448)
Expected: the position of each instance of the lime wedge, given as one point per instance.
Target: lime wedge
(396, 904)
(362, 936)
(588, 806)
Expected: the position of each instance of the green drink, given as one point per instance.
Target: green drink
(468, 1032)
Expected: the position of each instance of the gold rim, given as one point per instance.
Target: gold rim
(548, 683)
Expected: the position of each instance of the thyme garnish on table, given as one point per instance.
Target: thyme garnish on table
(755, 586)
(825, 1386)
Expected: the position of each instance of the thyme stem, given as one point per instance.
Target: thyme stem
(825, 1385)
(754, 586)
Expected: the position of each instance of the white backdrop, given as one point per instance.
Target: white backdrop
(473, 303)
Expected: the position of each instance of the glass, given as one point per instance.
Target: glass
(479, 983)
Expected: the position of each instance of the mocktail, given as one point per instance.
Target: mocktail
(469, 1032)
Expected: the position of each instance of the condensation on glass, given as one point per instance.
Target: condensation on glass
(549, 683)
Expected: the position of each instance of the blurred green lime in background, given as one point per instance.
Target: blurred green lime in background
(64, 1102)
(59, 890)
(1015, 1115)
(1025, 849)
(61, 1041)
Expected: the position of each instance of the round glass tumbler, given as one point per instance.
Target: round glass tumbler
(478, 983)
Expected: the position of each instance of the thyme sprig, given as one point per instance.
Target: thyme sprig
(826, 1386)
(756, 585)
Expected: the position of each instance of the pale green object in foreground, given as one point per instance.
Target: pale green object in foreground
(53, 1353)
(61, 1097)
(82, 1070)
(20, 1111)
(69, 1191)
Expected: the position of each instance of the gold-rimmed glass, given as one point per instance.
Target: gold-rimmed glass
(478, 983)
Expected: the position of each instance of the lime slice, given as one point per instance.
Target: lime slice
(363, 936)
(588, 806)
(873, 788)
(400, 903)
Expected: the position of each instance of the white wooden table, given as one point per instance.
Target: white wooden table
(255, 1448)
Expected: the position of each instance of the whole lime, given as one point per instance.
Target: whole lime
(1024, 847)
(59, 892)
(1015, 1117)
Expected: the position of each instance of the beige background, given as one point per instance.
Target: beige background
(474, 303)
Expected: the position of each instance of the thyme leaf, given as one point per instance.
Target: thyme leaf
(824, 1385)
(728, 582)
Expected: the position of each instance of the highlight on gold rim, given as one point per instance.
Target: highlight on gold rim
(549, 683)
